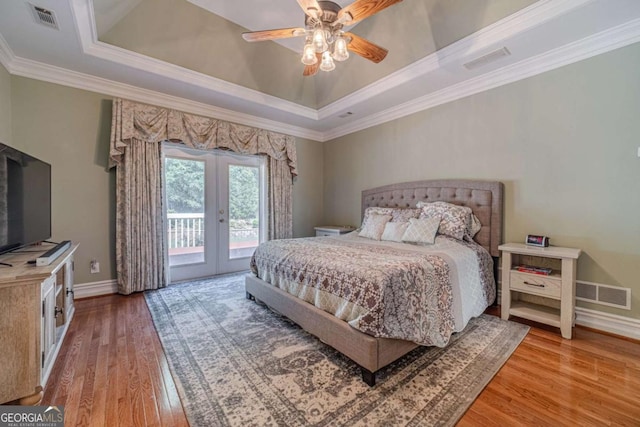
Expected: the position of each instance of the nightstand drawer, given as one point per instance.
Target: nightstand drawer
(326, 233)
(534, 284)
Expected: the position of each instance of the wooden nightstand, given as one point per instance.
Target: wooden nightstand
(332, 230)
(560, 285)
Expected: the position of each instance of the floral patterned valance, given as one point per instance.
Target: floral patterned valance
(156, 124)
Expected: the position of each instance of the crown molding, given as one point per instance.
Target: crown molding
(83, 16)
(529, 17)
(599, 43)
(6, 54)
(532, 16)
(52, 74)
(590, 46)
(62, 76)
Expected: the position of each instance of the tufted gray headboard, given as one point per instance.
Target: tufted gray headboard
(485, 198)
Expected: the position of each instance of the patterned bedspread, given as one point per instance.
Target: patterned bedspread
(384, 289)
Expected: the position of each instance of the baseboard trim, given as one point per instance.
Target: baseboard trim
(94, 289)
(601, 321)
(612, 323)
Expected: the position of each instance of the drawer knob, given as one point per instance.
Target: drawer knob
(537, 285)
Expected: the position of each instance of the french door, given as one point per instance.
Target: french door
(215, 211)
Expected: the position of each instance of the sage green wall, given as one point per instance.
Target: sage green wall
(564, 143)
(5, 106)
(70, 129)
(307, 188)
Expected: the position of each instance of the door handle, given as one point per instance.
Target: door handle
(221, 220)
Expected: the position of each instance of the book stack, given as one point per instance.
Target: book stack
(534, 269)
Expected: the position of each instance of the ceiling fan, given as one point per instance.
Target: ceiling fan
(326, 42)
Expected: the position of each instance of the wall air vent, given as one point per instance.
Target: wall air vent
(44, 16)
(486, 59)
(612, 296)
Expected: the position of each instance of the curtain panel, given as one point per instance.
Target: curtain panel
(137, 130)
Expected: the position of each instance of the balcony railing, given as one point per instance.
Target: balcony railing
(186, 230)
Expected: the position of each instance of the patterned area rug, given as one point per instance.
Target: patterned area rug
(237, 363)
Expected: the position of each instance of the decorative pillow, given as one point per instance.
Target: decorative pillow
(393, 231)
(374, 210)
(453, 218)
(473, 226)
(422, 230)
(404, 214)
(374, 226)
(397, 214)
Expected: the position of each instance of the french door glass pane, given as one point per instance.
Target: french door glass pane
(244, 210)
(185, 210)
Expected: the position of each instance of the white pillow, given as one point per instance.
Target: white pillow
(393, 231)
(374, 226)
(422, 230)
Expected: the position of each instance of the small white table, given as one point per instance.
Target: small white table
(333, 230)
(559, 285)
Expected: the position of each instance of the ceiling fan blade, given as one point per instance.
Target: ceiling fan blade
(311, 70)
(310, 7)
(281, 33)
(365, 48)
(361, 9)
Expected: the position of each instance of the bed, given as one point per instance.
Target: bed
(371, 353)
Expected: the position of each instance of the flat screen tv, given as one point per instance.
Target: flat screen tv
(25, 199)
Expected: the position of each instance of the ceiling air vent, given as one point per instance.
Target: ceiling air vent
(44, 16)
(343, 115)
(486, 59)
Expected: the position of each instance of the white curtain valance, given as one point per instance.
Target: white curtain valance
(132, 120)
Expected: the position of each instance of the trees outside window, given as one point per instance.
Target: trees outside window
(185, 191)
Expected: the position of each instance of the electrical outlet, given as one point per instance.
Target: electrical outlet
(95, 267)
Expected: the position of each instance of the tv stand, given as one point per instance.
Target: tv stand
(36, 308)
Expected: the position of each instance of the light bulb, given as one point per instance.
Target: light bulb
(309, 54)
(340, 52)
(327, 63)
(319, 40)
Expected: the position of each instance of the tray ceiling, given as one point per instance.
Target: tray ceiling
(189, 54)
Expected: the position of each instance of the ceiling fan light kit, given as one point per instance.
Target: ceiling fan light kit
(325, 41)
(309, 53)
(327, 62)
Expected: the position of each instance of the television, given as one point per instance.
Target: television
(25, 199)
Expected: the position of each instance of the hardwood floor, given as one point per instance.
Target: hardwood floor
(591, 380)
(112, 371)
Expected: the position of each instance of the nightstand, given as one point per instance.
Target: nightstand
(559, 285)
(333, 230)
